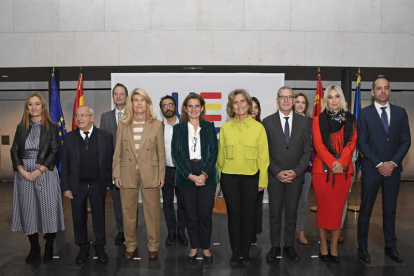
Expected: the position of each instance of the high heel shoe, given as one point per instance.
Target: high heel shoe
(335, 258)
(324, 258)
(208, 259)
(192, 259)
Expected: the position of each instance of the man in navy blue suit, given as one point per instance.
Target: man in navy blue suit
(383, 140)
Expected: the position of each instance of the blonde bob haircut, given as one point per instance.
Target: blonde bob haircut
(231, 96)
(129, 112)
(46, 119)
(341, 95)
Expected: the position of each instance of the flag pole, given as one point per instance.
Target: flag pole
(355, 208)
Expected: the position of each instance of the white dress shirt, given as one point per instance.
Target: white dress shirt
(168, 133)
(387, 110)
(283, 121)
(117, 114)
(197, 153)
(83, 135)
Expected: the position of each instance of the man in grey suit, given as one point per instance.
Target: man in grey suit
(288, 134)
(109, 122)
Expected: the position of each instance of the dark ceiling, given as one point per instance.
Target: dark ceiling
(291, 72)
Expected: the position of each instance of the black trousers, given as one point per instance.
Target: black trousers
(240, 193)
(198, 202)
(80, 215)
(174, 224)
(258, 214)
(116, 201)
(371, 182)
(283, 195)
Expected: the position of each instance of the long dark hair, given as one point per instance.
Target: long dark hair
(256, 101)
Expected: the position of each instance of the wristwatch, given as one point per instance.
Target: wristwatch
(206, 175)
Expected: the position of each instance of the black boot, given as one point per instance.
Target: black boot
(34, 248)
(50, 238)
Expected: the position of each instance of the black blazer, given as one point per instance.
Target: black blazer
(108, 123)
(48, 146)
(378, 146)
(70, 160)
(180, 153)
(294, 155)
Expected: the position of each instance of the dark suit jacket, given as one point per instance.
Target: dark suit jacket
(71, 155)
(378, 146)
(293, 156)
(108, 123)
(181, 156)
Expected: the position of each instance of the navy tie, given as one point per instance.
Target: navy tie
(86, 139)
(287, 130)
(384, 118)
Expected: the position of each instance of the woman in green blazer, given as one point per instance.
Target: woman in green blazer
(194, 152)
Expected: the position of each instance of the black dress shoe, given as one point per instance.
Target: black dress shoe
(245, 259)
(363, 254)
(273, 253)
(82, 256)
(192, 259)
(171, 238)
(393, 254)
(182, 239)
(335, 258)
(235, 259)
(119, 239)
(290, 251)
(102, 257)
(208, 259)
(324, 258)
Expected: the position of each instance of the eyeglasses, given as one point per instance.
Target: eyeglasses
(170, 105)
(81, 115)
(194, 141)
(289, 97)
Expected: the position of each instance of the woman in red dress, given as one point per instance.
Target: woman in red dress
(334, 139)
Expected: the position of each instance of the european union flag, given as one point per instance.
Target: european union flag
(57, 117)
(357, 102)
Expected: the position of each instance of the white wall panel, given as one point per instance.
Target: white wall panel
(397, 16)
(267, 14)
(173, 14)
(238, 48)
(220, 15)
(36, 15)
(6, 16)
(127, 15)
(327, 49)
(81, 15)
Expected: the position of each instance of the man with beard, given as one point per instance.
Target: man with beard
(109, 122)
(175, 225)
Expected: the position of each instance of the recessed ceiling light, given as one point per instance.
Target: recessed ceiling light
(193, 68)
(4, 76)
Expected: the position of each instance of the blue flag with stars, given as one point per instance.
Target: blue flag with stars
(57, 117)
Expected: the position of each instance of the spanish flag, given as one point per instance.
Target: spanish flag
(317, 104)
(79, 100)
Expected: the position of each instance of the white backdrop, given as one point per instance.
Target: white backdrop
(157, 85)
(216, 86)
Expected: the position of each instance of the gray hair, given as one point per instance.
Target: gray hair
(284, 87)
(89, 109)
(229, 108)
(341, 95)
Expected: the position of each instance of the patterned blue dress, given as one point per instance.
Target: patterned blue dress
(37, 206)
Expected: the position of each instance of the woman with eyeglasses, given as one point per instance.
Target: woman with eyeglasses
(194, 152)
(242, 164)
(37, 200)
(139, 164)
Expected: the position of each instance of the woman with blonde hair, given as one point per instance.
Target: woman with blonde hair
(37, 201)
(139, 164)
(334, 138)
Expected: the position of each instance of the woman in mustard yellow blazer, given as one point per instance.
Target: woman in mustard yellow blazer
(139, 163)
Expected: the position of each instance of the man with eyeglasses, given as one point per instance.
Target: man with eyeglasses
(175, 225)
(86, 173)
(109, 122)
(288, 135)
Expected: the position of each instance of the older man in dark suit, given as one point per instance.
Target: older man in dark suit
(383, 139)
(86, 173)
(109, 122)
(288, 134)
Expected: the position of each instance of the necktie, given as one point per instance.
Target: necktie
(86, 139)
(287, 130)
(119, 117)
(384, 118)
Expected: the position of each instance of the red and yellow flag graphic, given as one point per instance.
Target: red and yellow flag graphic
(317, 104)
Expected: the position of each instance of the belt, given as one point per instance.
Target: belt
(171, 168)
